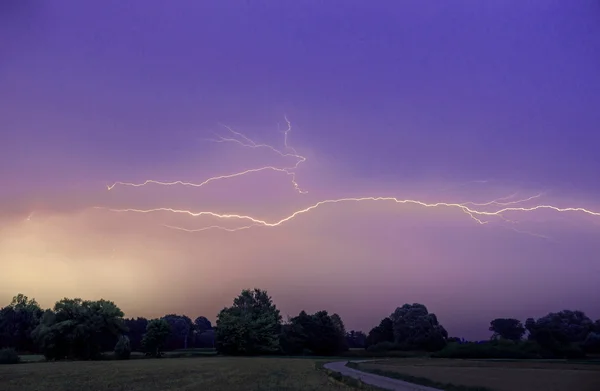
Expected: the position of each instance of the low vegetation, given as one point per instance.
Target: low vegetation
(471, 375)
(123, 348)
(345, 380)
(9, 356)
(424, 381)
(212, 373)
(501, 349)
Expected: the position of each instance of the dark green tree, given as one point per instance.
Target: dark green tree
(561, 333)
(154, 340)
(416, 328)
(507, 328)
(204, 335)
(596, 326)
(205, 339)
(123, 348)
(17, 321)
(251, 326)
(136, 328)
(294, 339)
(182, 330)
(319, 334)
(201, 324)
(341, 331)
(9, 356)
(79, 328)
(356, 339)
(384, 332)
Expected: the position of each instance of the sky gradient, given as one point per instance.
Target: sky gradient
(433, 101)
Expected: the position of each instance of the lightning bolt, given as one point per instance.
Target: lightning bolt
(243, 141)
(209, 228)
(497, 200)
(475, 214)
(482, 213)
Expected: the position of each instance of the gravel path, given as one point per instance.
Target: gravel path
(376, 380)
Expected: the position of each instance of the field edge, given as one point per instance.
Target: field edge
(423, 381)
(339, 378)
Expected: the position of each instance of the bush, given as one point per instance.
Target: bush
(591, 344)
(387, 346)
(123, 348)
(571, 351)
(9, 356)
(492, 349)
(382, 347)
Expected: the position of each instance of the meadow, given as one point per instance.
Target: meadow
(495, 375)
(196, 369)
(174, 374)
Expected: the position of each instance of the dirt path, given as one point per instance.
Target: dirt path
(376, 380)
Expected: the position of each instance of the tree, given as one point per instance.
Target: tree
(591, 343)
(562, 332)
(507, 328)
(356, 339)
(416, 328)
(384, 332)
(319, 334)
(9, 356)
(251, 326)
(205, 340)
(79, 328)
(204, 335)
(202, 324)
(135, 331)
(181, 331)
(123, 348)
(294, 338)
(326, 334)
(17, 321)
(341, 329)
(157, 332)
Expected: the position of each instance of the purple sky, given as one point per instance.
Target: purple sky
(411, 99)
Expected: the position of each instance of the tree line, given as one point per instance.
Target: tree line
(252, 325)
(84, 329)
(563, 334)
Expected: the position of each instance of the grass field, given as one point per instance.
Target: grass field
(495, 375)
(207, 372)
(198, 373)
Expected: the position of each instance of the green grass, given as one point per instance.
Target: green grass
(358, 354)
(416, 379)
(200, 373)
(31, 358)
(496, 375)
(25, 358)
(352, 354)
(345, 380)
(191, 353)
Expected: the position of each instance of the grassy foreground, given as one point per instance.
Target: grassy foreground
(491, 375)
(211, 373)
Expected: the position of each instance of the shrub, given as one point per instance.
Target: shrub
(382, 347)
(9, 356)
(592, 343)
(493, 349)
(571, 351)
(123, 348)
(387, 346)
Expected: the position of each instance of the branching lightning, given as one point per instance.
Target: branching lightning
(482, 213)
(244, 142)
